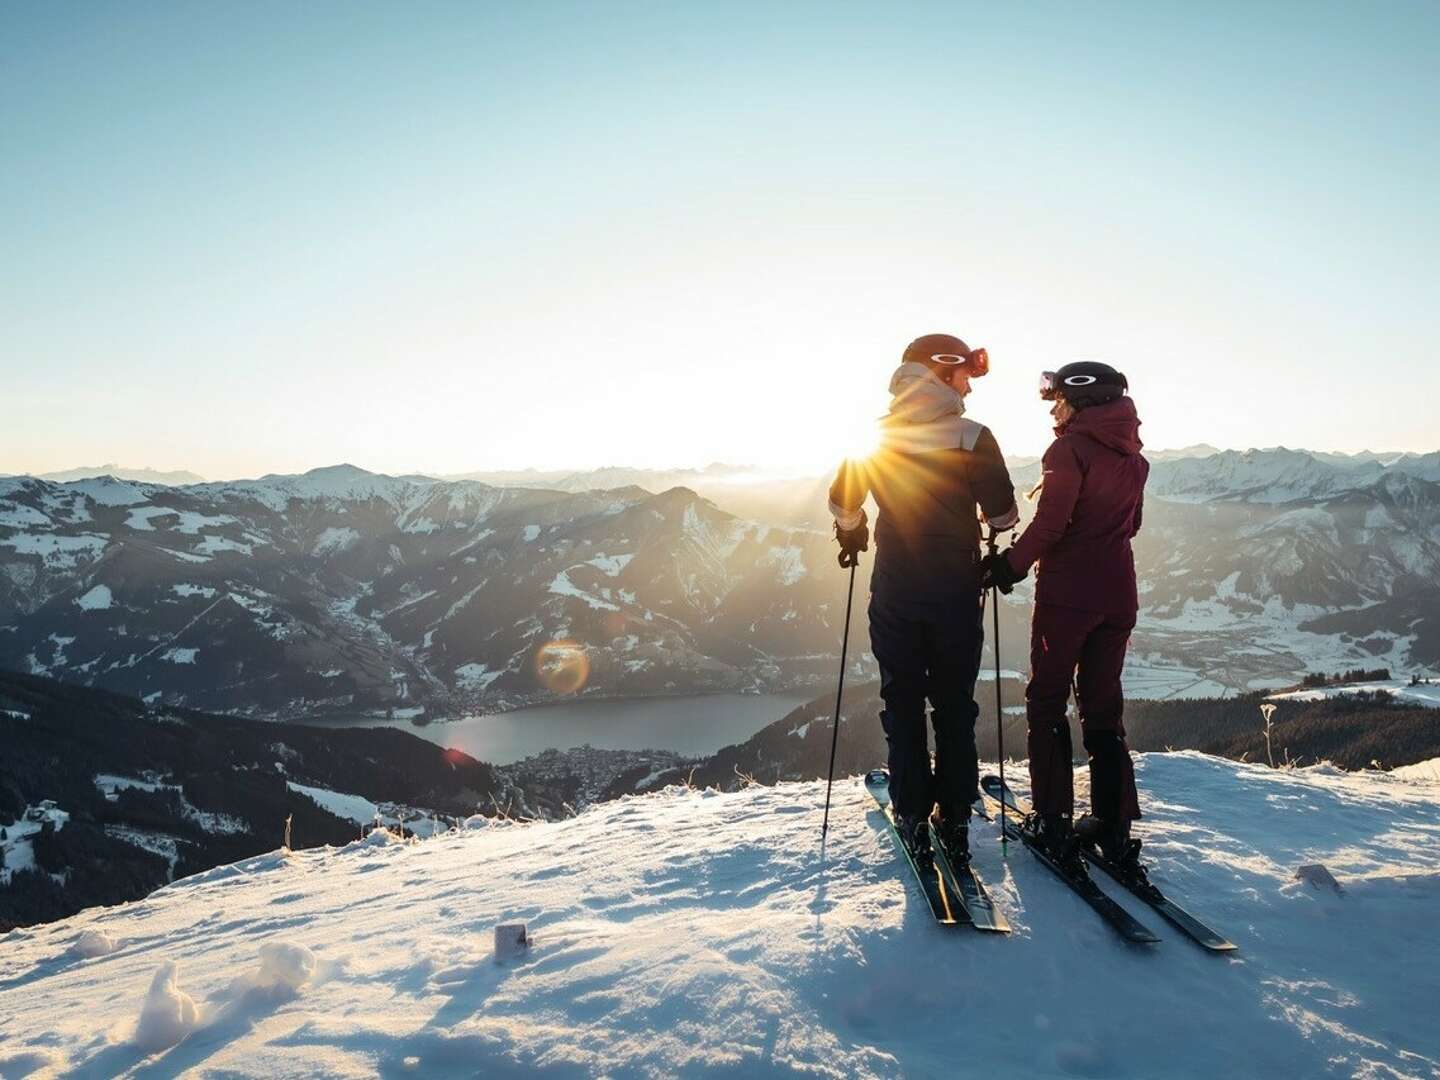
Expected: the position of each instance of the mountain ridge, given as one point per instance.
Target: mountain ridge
(341, 590)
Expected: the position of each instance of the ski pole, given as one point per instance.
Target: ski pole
(999, 712)
(839, 692)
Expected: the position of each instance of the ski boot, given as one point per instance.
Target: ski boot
(1055, 837)
(915, 835)
(1114, 843)
(954, 834)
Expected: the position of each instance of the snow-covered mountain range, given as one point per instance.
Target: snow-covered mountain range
(345, 590)
(695, 933)
(342, 590)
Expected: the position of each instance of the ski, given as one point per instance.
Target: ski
(966, 885)
(1172, 912)
(931, 882)
(1120, 920)
(1203, 935)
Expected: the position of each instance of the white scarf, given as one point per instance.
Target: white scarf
(925, 413)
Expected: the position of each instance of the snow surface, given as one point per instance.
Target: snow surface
(1421, 770)
(97, 599)
(475, 676)
(697, 933)
(1427, 693)
(354, 808)
(108, 491)
(56, 550)
(334, 540)
(563, 586)
(610, 565)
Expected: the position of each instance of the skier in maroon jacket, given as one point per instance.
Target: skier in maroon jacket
(1093, 479)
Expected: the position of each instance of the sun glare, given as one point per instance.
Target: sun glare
(862, 441)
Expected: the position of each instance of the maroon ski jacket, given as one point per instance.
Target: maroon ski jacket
(1090, 506)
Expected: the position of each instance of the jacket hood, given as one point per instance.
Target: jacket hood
(1115, 425)
(919, 397)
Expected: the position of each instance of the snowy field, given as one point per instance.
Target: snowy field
(695, 933)
(1426, 693)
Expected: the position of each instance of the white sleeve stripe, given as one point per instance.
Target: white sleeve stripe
(1006, 520)
(846, 519)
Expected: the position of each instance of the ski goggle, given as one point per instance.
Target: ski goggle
(1050, 384)
(975, 365)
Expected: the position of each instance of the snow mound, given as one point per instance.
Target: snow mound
(703, 934)
(168, 1015)
(285, 964)
(93, 943)
(379, 837)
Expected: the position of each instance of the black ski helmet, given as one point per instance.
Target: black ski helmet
(946, 352)
(1086, 382)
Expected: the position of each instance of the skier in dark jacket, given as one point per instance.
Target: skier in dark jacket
(1085, 607)
(933, 469)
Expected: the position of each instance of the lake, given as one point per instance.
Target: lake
(694, 725)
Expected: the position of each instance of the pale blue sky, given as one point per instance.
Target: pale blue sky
(255, 237)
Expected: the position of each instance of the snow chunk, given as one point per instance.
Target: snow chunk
(97, 599)
(285, 964)
(92, 943)
(168, 1015)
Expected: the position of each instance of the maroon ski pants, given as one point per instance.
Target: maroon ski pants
(1087, 647)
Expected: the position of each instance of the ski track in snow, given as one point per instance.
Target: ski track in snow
(696, 933)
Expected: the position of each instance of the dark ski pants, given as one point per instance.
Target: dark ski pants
(1087, 647)
(929, 649)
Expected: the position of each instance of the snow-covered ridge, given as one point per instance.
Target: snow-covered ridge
(1425, 693)
(695, 933)
(1255, 567)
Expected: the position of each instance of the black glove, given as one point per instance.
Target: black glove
(852, 542)
(995, 570)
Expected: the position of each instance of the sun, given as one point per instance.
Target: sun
(862, 440)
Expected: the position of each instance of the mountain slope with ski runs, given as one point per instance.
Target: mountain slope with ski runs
(698, 933)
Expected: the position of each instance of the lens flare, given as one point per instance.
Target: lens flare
(863, 441)
(562, 666)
